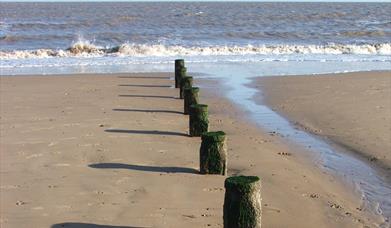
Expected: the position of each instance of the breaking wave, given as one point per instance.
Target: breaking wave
(87, 49)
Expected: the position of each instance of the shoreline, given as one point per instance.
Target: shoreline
(145, 179)
(124, 73)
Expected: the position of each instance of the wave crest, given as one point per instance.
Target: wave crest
(84, 46)
(161, 50)
(87, 49)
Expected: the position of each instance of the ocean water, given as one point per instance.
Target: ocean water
(37, 35)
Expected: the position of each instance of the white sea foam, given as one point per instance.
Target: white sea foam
(82, 47)
(161, 50)
(88, 49)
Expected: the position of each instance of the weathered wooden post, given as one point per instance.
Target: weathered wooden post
(181, 74)
(242, 202)
(186, 82)
(198, 119)
(213, 153)
(179, 64)
(191, 97)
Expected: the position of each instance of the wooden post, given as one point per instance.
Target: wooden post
(198, 119)
(179, 63)
(191, 97)
(213, 153)
(181, 74)
(186, 82)
(242, 202)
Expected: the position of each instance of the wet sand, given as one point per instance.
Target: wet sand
(352, 109)
(113, 150)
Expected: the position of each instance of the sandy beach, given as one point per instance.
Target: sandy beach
(87, 142)
(353, 109)
(113, 150)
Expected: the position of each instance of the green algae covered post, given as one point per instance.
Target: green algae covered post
(198, 119)
(186, 82)
(213, 153)
(181, 74)
(179, 64)
(242, 202)
(191, 97)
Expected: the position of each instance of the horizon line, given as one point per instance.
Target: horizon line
(265, 1)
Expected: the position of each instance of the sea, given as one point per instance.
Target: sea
(232, 42)
(118, 37)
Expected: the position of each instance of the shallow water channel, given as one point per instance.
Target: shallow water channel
(372, 183)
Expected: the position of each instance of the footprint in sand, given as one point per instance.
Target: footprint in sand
(121, 180)
(206, 215)
(284, 153)
(10, 187)
(269, 208)
(52, 144)
(71, 124)
(69, 138)
(312, 195)
(213, 189)
(61, 165)
(64, 207)
(85, 145)
(99, 192)
(334, 205)
(189, 216)
(20, 203)
(139, 192)
(55, 152)
(29, 142)
(34, 156)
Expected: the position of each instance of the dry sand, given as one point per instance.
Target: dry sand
(84, 150)
(352, 109)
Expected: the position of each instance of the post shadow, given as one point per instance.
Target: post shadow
(146, 110)
(147, 96)
(146, 77)
(146, 132)
(146, 86)
(156, 169)
(88, 225)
